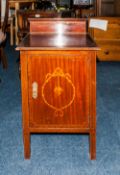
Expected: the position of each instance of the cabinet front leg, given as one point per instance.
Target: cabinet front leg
(92, 144)
(26, 139)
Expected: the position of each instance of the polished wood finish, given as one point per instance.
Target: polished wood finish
(108, 41)
(58, 80)
(58, 26)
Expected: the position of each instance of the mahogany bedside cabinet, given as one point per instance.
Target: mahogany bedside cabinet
(58, 79)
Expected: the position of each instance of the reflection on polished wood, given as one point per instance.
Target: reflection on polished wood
(58, 80)
(54, 41)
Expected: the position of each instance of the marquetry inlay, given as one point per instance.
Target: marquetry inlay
(55, 82)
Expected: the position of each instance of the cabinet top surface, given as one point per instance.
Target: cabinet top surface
(57, 42)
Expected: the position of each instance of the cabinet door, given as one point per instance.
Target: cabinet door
(59, 89)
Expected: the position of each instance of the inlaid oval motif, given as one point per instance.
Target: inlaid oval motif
(58, 91)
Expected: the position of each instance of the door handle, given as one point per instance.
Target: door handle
(34, 90)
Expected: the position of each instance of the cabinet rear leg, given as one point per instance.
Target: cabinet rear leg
(92, 145)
